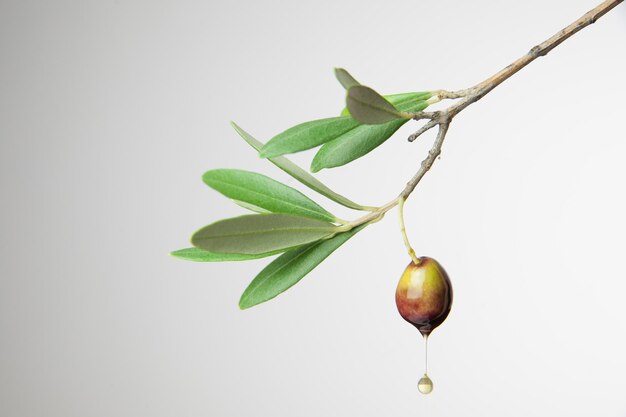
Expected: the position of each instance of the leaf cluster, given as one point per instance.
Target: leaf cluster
(286, 222)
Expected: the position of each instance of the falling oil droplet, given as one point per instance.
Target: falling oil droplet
(425, 385)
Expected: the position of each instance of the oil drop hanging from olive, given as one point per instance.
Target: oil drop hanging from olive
(423, 298)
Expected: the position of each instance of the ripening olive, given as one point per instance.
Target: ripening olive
(424, 295)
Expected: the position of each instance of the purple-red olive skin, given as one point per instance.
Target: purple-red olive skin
(424, 295)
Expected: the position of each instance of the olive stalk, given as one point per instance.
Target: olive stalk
(403, 231)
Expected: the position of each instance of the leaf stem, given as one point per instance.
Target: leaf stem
(436, 98)
(371, 217)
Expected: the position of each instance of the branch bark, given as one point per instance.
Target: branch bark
(443, 118)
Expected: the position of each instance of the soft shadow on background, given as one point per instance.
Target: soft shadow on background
(111, 111)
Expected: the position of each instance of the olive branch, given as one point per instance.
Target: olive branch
(287, 222)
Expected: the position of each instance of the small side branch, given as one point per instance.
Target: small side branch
(427, 163)
(423, 129)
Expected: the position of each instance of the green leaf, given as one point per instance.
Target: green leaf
(300, 174)
(345, 79)
(264, 192)
(257, 234)
(307, 135)
(367, 106)
(199, 255)
(399, 99)
(289, 268)
(360, 141)
(354, 145)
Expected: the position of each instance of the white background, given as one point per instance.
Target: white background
(110, 111)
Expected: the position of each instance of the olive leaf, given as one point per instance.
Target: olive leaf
(262, 192)
(299, 174)
(307, 135)
(345, 79)
(199, 255)
(261, 234)
(314, 133)
(399, 99)
(369, 107)
(289, 268)
(366, 105)
(353, 146)
(361, 140)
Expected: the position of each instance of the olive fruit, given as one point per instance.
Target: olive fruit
(424, 294)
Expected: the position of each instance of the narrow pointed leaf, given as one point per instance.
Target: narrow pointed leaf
(345, 79)
(199, 255)
(263, 192)
(257, 234)
(299, 174)
(399, 99)
(307, 135)
(289, 268)
(354, 145)
(359, 141)
(367, 106)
